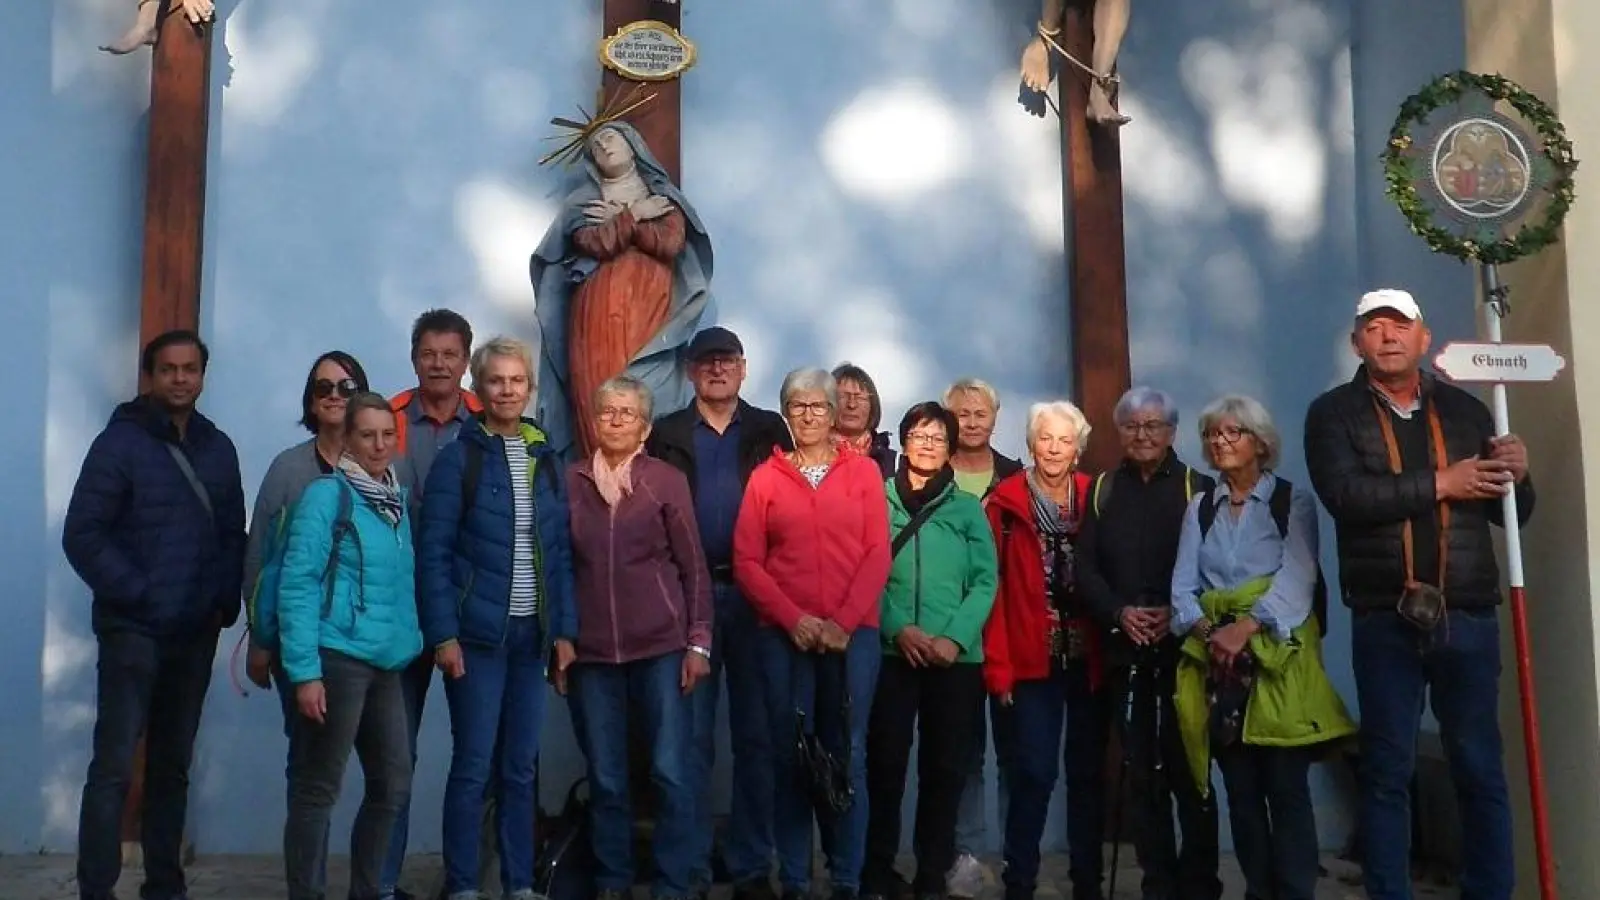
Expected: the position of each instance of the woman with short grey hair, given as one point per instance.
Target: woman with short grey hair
(1251, 690)
(1140, 399)
(809, 381)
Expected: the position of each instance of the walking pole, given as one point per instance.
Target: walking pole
(1122, 771)
(1495, 309)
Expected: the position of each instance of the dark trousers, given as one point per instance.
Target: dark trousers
(937, 706)
(1156, 776)
(1039, 710)
(1459, 667)
(747, 845)
(291, 712)
(415, 680)
(1274, 829)
(602, 697)
(153, 686)
(365, 711)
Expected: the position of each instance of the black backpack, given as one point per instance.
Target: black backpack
(565, 865)
(1279, 504)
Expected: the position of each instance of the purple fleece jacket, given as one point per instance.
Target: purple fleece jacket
(642, 584)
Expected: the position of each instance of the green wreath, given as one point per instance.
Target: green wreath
(1399, 172)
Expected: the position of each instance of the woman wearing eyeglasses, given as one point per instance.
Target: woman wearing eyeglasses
(811, 552)
(1252, 693)
(334, 378)
(644, 638)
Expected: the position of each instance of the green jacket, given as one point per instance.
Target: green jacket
(1292, 703)
(943, 580)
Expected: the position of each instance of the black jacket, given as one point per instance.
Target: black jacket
(1349, 466)
(672, 439)
(1004, 467)
(1129, 541)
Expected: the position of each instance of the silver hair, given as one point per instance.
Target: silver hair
(1142, 397)
(974, 386)
(809, 379)
(1059, 409)
(501, 345)
(623, 385)
(1250, 416)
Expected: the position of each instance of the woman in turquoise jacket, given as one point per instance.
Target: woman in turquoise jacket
(347, 612)
(940, 591)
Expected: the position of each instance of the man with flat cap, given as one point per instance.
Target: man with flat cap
(1413, 474)
(716, 441)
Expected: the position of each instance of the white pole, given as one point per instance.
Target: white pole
(1494, 305)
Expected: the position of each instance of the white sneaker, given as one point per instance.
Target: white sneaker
(966, 877)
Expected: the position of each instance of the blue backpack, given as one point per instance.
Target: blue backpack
(261, 609)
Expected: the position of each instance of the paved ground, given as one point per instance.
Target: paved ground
(261, 878)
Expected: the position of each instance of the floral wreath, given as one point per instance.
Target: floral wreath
(1553, 167)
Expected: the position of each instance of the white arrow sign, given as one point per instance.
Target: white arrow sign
(1470, 361)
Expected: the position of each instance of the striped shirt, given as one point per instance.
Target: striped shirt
(524, 578)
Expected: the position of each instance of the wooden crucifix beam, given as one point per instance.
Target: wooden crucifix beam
(658, 121)
(1097, 276)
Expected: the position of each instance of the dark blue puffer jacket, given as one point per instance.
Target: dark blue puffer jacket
(140, 537)
(464, 561)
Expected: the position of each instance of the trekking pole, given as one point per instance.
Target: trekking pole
(1126, 720)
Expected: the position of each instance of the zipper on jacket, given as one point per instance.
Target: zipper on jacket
(611, 585)
(916, 580)
(541, 589)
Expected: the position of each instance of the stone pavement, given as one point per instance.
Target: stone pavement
(33, 877)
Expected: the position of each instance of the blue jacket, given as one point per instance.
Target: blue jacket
(371, 614)
(465, 556)
(138, 534)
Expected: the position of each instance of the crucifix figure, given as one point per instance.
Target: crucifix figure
(1110, 24)
(146, 25)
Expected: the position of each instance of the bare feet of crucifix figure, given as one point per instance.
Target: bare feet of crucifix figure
(1110, 24)
(145, 26)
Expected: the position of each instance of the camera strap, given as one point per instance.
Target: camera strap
(1441, 461)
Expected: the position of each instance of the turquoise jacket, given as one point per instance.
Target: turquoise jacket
(370, 612)
(943, 580)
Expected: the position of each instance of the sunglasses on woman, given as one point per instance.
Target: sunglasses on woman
(346, 387)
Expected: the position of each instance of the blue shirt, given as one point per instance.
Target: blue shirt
(1237, 550)
(425, 437)
(717, 488)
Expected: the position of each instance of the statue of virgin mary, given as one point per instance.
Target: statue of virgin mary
(620, 281)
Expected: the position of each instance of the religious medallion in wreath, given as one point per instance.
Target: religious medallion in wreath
(1481, 169)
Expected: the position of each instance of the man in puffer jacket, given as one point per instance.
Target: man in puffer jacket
(155, 527)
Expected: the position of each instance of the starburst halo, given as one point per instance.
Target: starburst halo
(577, 133)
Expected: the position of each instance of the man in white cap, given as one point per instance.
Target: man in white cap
(1413, 475)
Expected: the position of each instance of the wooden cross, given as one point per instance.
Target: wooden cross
(174, 219)
(659, 121)
(1091, 158)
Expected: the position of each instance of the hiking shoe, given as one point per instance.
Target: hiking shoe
(754, 889)
(966, 877)
(525, 894)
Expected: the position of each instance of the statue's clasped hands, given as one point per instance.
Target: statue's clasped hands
(599, 212)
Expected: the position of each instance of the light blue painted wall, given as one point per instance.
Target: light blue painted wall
(872, 190)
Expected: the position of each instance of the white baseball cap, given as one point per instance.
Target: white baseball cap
(1389, 298)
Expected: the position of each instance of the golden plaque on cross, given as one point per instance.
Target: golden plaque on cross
(647, 50)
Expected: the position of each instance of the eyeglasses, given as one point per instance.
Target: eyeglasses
(323, 388)
(851, 398)
(927, 439)
(713, 363)
(797, 410)
(621, 415)
(1228, 433)
(1152, 427)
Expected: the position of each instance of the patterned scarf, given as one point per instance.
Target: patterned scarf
(614, 484)
(383, 495)
(1055, 532)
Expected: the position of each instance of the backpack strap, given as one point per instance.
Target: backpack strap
(1208, 512)
(343, 524)
(471, 474)
(1101, 492)
(1282, 493)
(1188, 484)
(916, 523)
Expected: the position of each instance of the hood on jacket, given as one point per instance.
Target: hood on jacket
(532, 435)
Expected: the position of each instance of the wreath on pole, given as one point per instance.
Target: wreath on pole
(1429, 196)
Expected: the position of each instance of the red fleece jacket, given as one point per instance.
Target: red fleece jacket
(801, 551)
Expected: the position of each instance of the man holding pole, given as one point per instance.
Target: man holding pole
(1413, 475)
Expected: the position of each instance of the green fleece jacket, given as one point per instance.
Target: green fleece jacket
(943, 580)
(1292, 703)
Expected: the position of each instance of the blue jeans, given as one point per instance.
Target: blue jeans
(154, 687)
(747, 847)
(972, 819)
(414, 683)
(812, 684)
(1459, 665)
(602, 695)
(1039, 709)
(500, 698)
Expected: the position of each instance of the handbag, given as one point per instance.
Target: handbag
(826, 777)
(1423, 605)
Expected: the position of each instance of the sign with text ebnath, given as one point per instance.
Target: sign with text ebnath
(1468, 361)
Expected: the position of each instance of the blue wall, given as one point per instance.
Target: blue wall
(872, 189)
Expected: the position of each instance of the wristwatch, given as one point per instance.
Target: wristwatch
(703, 651)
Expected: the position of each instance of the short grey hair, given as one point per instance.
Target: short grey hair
(1250, 416)
(809, 379)
(624, 385)
(1060, 409)
(972, 386)
(501, 345)
(1142, 397)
